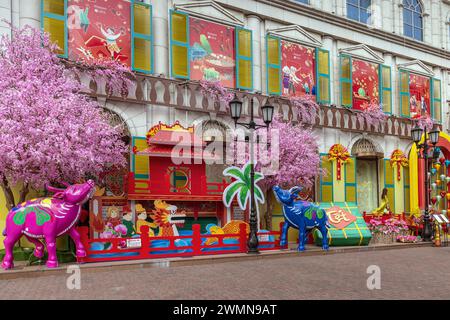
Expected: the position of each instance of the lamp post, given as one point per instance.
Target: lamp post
(425, 147)
(267, 112)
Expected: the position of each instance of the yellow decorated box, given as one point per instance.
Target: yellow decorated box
(347, 225)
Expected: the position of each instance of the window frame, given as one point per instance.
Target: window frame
(385, 88)
(359, 8)
(60, 18)
(134, 35)
(178, 43)
(409, 7)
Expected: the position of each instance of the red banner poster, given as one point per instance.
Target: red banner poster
(212, 52)
(365, 83)
(99, 29)
(297, 68)
(419, 95)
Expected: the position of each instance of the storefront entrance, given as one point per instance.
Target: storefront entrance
(367, 181)
(367, 155)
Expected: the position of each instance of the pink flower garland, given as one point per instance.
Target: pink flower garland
(305, 108)
(216, 91)
(372, 113)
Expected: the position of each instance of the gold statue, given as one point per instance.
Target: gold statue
(384, 206)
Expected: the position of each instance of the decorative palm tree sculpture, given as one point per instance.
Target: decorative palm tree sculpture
(241, 186)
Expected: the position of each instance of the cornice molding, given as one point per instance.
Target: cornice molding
(334, 19)
(221, 14)
(295, 33)
(363, 52)
(416, 66)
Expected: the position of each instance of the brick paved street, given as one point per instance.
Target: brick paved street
(417, 273)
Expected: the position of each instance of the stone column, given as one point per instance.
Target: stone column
(30, 13)
(398, 17)
(254, 24)
(436, 24)
(330, 45)
(387, 16)
(262, 38)
(327, 6)
(161, 37)
(5, 13)
(427, 23)
(341, 8)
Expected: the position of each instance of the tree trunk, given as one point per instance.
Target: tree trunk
(23, 193)
(9, 196)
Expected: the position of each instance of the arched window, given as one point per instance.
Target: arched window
(358, 10)
(412, 19)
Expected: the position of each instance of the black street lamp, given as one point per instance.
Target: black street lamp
(267, 113)
(432, 137)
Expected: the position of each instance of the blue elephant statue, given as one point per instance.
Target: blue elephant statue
(301, 215)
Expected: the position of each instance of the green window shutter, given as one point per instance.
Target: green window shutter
(404, 93)
(179, 45)
(436, 100)
(273, 64)
(326, 182)
(350, 181)
(54, 21)
(244, 59)
(141, 37)
(346, 80)
(389, 183)
(385, 75)
(406, 189)
(323, 71)
(140, 164)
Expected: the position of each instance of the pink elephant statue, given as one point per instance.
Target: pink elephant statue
(47, 218)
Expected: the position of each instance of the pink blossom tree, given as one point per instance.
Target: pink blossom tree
(299, 159)
(49, 131)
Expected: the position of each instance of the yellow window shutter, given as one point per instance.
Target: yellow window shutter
(346, 81)
(273, 64)
(326, 181)
(323, 76)
(141, 37)
(389, 183)
(244, 59)
(386, 88)
(436, 101)
(350, 180)
(406, 189)
(404, 94)
(54, 21)
(179, 44)
(140, 165)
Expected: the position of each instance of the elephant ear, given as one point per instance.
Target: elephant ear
(320, 213)
(19, 217)
(308, 213)
(42, 217)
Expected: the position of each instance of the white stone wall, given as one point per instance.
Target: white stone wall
(263, 15)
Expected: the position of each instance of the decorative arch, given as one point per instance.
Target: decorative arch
(372, 147)
(416, 172)
(116, 120)
(365, 147)
(127, 119)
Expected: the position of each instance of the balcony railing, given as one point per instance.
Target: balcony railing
(186, 95)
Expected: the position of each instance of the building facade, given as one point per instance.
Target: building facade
(345, 53)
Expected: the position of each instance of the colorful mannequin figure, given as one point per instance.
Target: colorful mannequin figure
(47, 218)
(301, 215)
